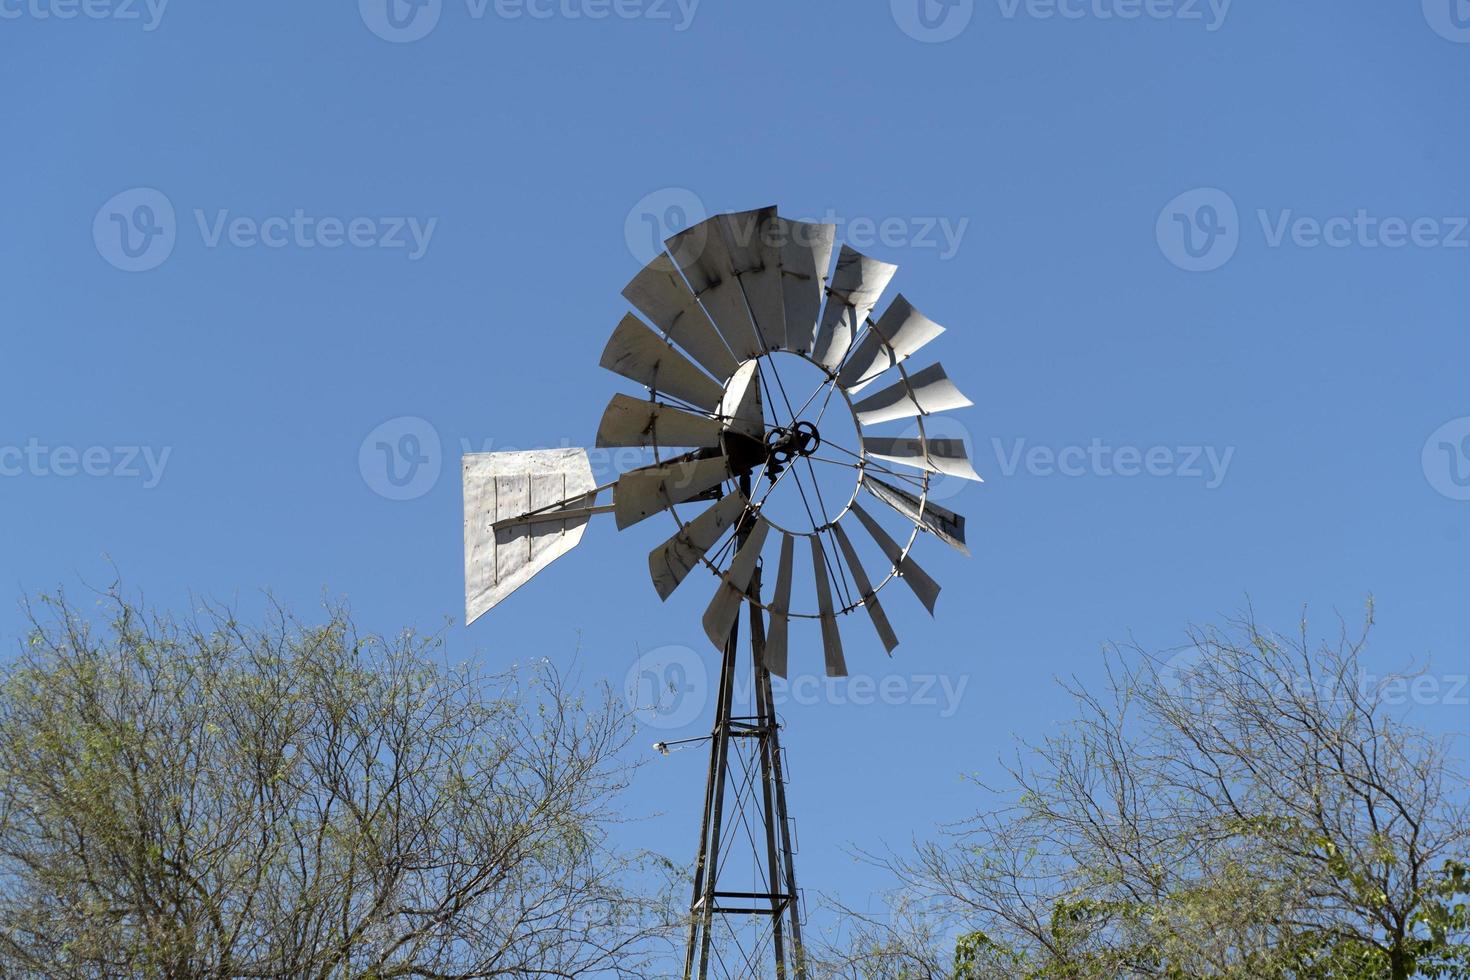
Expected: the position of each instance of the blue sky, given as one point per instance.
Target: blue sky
(1221, 248)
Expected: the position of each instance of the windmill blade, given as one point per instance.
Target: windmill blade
(918, 580)
(639, 354)
(725, 606)
(865, 589)
(897, 335)
(498, 486)
(856, 286)
(806, 258)
(831, 636)
(648, 490)
(751, 241)
(921, 393)
(703, 256)
(671, 561)
(944, 524)
(638, 422)
(740, 408)
(945, 456)
(660, 294)
(780, 608)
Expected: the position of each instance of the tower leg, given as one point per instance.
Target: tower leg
(754, 741)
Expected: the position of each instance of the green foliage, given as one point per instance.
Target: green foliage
(210, 799)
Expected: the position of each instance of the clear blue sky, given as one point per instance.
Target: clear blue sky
(1054, 149)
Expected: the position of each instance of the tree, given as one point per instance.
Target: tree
(206, 799)
(1261, 812)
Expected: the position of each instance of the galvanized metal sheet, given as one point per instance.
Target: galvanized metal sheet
(740, 408)
(702, 254)
(725, 606)
(922, 393)
(856, 286)
(946, 456)
(672, 561)
(638, 422)
(639, 354)
(944, 524)
(918, 580)
(777, 638)
(831, 635)
(806, 258)
(660, 294)
(865, 590)
(897, 335)
(755, 255)
(648, 490)
(503, 485)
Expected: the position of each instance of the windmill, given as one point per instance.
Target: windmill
(736, 306)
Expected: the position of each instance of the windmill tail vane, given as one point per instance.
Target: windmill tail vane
(723, 317)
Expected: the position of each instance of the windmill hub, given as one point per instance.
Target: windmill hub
(786, 443)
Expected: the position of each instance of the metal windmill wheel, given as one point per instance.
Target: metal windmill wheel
(737, 303)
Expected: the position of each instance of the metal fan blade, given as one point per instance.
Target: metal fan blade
(639, 354)
(923, 586)
(831, 636)
(943, 456)
(806, 258)
(750, 239)
(897, 335)
(671, 561)
(856, 286)
(641, 493)
(637, 422)
(703, 255)
(865, 589)
(740, 407)
(780, 608)
(944, 524)
(498, 486)
(922, 393)
(725, 606)
(660, 293)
